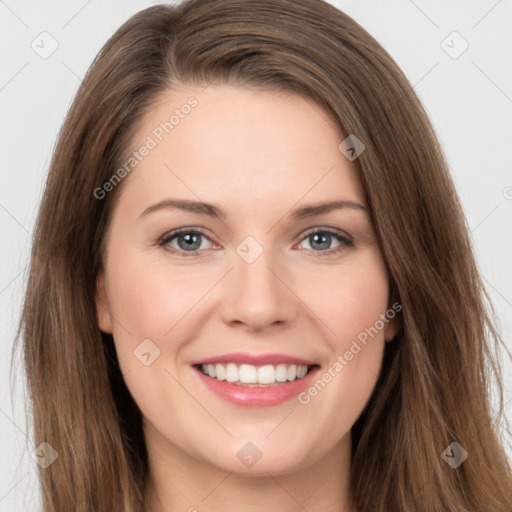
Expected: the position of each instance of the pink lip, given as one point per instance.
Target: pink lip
(258, 396)
(254, 359)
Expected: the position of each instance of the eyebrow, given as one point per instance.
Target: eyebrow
(214, 211)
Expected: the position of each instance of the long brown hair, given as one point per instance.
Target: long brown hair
(434, 388)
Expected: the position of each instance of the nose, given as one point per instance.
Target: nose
(259, 295)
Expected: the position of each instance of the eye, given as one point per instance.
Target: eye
(184, 240)
(188, 242)
(320, 240)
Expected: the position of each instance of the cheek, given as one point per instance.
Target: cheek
(350, 302)
(349, 299)
(152, 302)
(149, 291)
(147, 301)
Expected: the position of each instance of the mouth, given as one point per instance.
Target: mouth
(256, 385)
(262, 376)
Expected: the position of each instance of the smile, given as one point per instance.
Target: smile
(255, 376)
(255, 380)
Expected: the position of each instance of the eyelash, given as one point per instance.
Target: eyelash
(168, 237)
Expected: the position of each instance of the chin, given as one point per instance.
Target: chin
(259, 458)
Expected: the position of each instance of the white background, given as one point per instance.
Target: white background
(469, 100)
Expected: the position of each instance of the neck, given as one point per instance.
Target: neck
(179, 482)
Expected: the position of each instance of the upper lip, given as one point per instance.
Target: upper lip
(254, 359)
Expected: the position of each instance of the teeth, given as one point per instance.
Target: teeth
(248, 374)
(231, 372)
(281, 373)
(301, 371)
(266, 374)
(220, 372)
(258, 375)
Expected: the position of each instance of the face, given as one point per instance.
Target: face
(218, 253)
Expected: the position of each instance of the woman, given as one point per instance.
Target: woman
(253, 371)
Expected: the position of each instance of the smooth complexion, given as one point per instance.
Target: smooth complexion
(257, 157)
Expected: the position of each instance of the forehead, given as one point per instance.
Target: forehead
(239, 146)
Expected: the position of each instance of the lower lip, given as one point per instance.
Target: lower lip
(258, 396)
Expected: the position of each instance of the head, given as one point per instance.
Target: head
(263, 95)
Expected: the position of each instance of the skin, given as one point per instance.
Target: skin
(257, 155)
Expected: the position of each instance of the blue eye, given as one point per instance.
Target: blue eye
(321, 239)
(189, 242)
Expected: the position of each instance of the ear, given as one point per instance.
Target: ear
(394, 321)
(391, 329)
(102, 307)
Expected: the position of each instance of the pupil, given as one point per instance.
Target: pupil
(190, 240)
(318, 237)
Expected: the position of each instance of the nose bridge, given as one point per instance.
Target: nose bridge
(256, 293)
